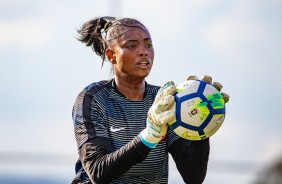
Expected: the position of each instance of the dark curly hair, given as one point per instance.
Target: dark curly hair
(99, 32)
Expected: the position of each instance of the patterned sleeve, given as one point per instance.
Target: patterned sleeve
(87, 118)
(101, 165)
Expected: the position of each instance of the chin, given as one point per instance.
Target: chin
(146, 74)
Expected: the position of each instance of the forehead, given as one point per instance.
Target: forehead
(134, 34)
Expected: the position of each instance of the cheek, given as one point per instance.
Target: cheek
(127, 58)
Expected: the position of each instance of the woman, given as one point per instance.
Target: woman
(121, 124)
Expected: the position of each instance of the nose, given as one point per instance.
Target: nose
(143, 51)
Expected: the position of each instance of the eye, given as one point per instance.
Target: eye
(131, 46)
(149, 45)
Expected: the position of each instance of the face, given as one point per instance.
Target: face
(132, 54)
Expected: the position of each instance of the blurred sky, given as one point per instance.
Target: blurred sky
(43, 68)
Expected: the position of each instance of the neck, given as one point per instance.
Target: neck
(132, 89)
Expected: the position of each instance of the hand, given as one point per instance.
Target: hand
(217, 85)
(159, 116)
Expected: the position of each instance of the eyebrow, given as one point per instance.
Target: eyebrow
(146, 39)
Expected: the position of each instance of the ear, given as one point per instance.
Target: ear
(110, 56)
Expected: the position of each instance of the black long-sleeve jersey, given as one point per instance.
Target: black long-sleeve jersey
(107, 125)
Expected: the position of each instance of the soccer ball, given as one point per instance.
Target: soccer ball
(199, 109)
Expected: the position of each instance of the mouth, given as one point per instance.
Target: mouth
(144, 62)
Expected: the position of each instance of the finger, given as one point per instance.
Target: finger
(168, 89)
(167, 84)
(225, 97)
(217, 85)
(167, 117)
(192, 77)
(164, 104)
(207, 79)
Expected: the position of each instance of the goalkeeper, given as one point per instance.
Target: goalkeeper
(121, 124)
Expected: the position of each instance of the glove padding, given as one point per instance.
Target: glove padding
(217, 85)
(159, 115)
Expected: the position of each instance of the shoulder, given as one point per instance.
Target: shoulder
(95, 87)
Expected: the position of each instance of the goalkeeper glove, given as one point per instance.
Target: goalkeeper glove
(159, 115)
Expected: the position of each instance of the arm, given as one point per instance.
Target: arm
(102, 166)
(191, 159)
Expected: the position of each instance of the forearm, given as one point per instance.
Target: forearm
(191, 158)
(102, 166)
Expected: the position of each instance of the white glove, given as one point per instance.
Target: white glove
(159, 115)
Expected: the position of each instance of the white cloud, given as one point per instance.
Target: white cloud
(231, 35)
(9, 2)
(234, 139)
(270, 148)
(24, 34)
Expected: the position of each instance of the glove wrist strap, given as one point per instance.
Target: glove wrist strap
(148, 139)
(148, 144)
